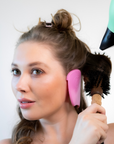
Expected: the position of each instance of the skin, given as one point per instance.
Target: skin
(48, 89)
(110, 134)
(47, 86)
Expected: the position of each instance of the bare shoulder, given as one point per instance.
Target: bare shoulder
(110, 134)
(5, 141)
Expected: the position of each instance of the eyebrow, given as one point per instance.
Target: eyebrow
(31, 64)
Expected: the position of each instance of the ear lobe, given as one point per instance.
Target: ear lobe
(74, 85)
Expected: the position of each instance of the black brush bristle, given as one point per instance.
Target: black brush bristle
(97, 71)
(96, 78)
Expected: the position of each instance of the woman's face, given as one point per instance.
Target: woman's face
(39, 81)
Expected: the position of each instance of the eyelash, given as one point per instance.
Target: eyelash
(39, 70)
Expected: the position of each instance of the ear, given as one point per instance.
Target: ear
(74, 85)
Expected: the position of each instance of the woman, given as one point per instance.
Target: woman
(43, 58)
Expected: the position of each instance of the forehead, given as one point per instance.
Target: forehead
(30, 52)
(33, 50)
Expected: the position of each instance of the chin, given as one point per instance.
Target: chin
(30, 116)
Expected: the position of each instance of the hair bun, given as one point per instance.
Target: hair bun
(62, 20)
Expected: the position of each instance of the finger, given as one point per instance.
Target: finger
(102, 125)
(98, 124)
(94, 108)
(103, 135)
(100, 117)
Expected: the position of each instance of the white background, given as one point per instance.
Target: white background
(25, 13)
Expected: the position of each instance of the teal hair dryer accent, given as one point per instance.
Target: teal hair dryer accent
(108, 39)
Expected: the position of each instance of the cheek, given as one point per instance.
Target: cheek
(13, 86)
(51, 90)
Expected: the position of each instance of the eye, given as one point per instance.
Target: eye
(15, 72)
(37, 71)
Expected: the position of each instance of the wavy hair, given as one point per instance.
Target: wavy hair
(66, 47)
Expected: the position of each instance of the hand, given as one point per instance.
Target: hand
(91, 127)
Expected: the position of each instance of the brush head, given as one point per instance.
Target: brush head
(96, 72)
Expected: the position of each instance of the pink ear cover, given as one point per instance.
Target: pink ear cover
(74, 84)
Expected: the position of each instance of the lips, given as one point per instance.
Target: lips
(25, 103)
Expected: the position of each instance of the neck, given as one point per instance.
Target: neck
(59, 126)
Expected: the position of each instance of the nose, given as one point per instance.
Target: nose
(22, 84)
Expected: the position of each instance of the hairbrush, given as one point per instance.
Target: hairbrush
(96, 72)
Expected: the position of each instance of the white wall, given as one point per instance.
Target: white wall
(22, 13)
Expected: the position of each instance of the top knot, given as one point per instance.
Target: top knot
(62, 20)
